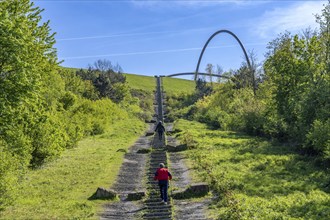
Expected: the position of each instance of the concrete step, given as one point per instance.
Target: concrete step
(153, 204)
(160, 210)
(158, 157)
(158, 215)
(153, 183)
(154, 167)
(154, 200)
(158, 218)
(153, 163)
(158, 151)
(156, 196)
(159, 160)
(156, 164)
(157, 205)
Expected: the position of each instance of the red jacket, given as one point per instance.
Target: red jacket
(162, 174)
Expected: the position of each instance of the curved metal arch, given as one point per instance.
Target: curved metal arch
(240, 43)
(192, 73)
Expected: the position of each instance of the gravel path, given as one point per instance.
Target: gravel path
(130, 179)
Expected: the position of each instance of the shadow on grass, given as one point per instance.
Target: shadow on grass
(312, 209)
(274, 169)
(244, 168)
(281, 169)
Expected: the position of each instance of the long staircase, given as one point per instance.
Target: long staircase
(137, 172)
(155, 209)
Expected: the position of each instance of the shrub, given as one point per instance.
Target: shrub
(48, 139)
(9, 176)
(318, 138)
(68, 100)
(188, 139)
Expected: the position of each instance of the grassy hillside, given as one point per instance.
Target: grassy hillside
(171, 85)
(61, 189)
(254, 178)
(174, 85)
(147, 83)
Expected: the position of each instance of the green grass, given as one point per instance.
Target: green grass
(254, 178)
(177, 86)
(147, 83)
(61, 189)
(171, 85)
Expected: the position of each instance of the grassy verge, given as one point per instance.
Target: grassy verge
(61, 189)
(256, 179)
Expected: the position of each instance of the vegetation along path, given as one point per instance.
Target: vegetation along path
(138, 192)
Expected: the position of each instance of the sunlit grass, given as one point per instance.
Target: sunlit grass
(257, 179)
(178, 86)
(61, 189)
(147, 83)
(171, 85)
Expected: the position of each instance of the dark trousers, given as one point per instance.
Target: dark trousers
(160, 135)
(163, 186)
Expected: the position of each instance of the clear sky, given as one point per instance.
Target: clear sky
(166, 37)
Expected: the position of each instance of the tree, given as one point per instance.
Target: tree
(297, 68)
(220, 72)
(245, 77)
(210, 70)
(324, 21)
(27, 58)
(241, 77)
(107, 80)
(202, 88)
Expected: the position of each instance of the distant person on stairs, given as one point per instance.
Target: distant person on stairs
(163, 176)
(160, 129)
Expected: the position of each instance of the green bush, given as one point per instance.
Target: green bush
(48, 139)
(9, 176)
(318, 138)
(68, 100)
(188, 139)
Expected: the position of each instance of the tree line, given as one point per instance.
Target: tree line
(292, 100)
(44, 108)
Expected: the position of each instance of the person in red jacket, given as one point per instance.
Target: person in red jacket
(163, 176)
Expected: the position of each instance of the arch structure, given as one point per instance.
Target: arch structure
(240, 43)
(192, 73)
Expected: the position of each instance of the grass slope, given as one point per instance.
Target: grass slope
(254, 178)
(60, 190)
(171, 85)
(174, 85)
(148, 83)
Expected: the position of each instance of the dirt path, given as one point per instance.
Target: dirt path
(130, 180)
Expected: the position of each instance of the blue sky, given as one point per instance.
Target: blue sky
(166, 37)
